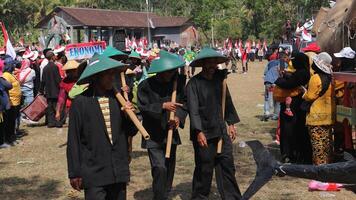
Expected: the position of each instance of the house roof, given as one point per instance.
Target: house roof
(114, 18)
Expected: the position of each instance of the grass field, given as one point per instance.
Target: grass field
(36, 169)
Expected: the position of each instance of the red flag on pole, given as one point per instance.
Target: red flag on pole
(9, 49)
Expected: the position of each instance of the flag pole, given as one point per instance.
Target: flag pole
(148, 24)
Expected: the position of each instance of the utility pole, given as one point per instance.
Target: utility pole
(212, 32)
(148, 25)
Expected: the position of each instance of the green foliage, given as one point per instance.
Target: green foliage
(230, 18)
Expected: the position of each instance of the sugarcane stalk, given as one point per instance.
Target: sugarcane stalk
(223, 102)
(171, 117)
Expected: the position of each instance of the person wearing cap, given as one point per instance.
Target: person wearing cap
(50, 88)
(207, 127)
(347, 59)
(154, 103)
(64, 102)
(97, 150)
(320, 116)
(311, 50)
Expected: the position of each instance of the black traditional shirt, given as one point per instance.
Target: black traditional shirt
(204, 106)
(151, 96)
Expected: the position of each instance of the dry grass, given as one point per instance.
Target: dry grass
(36, 168)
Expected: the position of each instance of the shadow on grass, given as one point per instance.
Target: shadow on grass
(181, 191)
(28, 188)
(137, 154)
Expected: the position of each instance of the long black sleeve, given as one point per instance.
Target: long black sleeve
(297, 79)
(231, 116)
(73, 144)
(153, 110)
(193, 107)
(181, 98)
(7, 85)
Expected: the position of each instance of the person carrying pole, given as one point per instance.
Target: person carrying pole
(155, 104)
(205, 93)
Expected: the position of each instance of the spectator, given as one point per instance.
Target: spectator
(6, 137)
(64, 102)
(50, 87)
(319, 118)
(26, 75)
(15, 100)
(271, 74)
(244, 58)
(295, 142)
(274, 55)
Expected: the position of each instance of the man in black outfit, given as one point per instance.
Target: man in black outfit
(154, 102)
(207, 126)
(50, 87)
(97, 151)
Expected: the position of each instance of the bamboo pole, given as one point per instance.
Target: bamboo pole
(126, 95)
(123, 84)
(133, 117)
(223, 102)
(171, 117)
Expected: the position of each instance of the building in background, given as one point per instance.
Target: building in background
(114, 26)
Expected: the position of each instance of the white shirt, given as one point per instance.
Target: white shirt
(31, 75)
(43, 64)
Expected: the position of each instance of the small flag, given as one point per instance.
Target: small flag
(306, 36)
(9, 49)
(151, 23)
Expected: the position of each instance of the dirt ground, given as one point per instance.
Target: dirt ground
(37, 167)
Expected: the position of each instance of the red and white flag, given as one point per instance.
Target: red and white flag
(127, 44)
(265, 45)
(133, 43)
(248, 46)
(230, 45)
(236, 44)
(306, 36)
(9, 49)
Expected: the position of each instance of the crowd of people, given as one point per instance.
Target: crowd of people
(301, 94)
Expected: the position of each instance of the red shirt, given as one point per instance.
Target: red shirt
(274, 56)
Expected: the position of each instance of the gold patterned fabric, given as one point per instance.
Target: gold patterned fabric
(321, 140)
(105, 109)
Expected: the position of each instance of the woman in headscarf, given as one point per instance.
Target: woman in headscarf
(295, 143)
(319, 118)
(320, 115)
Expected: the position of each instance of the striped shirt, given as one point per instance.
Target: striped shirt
(105, 109)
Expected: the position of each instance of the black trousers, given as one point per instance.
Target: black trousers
(162, 171)
(115, 191)
(206, 160)
(51, 113)
(10, 123)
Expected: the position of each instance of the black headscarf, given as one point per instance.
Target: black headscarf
(300, 61)
(324, 77)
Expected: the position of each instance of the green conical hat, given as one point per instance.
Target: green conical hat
(134, 54)
(94, 57)
(103, 63)
(166, 62)
(112, 52)
(208, 55)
